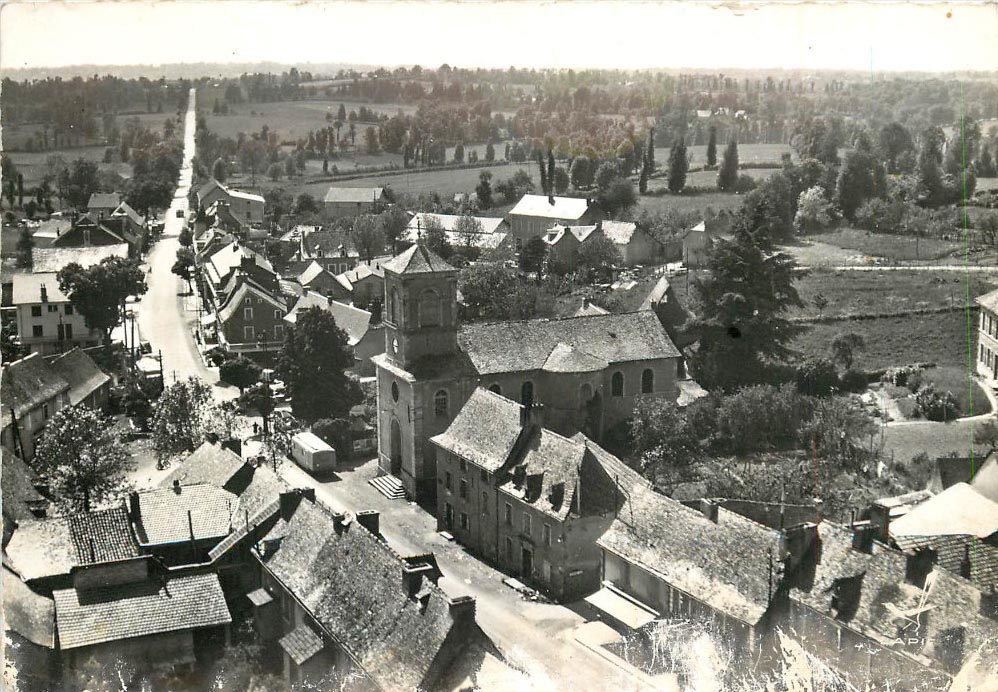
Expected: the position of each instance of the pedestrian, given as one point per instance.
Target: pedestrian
(256, 427)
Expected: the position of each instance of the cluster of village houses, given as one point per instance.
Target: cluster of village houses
(495, 428)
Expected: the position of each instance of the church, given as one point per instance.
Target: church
(587, 371)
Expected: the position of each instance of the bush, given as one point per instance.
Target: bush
(217, 355)
(746, 183)
(854, 381)
(817, 377)
(934, 405)
(899, 376)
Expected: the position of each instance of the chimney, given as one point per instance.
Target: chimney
(796, 541)
(289, 500)
(918, 565)
(709, 509)
(45, 293)
(535, 481)
(585, 302)
(966, 565)
(412, 577)
(551, 200)
(133, 505)
(176, 486)
(371, 520)
(862, 537)
(462, 607)
(532, 414)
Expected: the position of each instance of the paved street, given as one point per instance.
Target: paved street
(540, 637)
(164, 321)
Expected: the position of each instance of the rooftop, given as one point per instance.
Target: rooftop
(28, 383)
(569, 208)
(140, 609)
(449, 222)
(487, 446)
(210, 464)
(967, 556)
(619, 232)
(959, 509)
(81, 372)
(104, 200)
(354, 321)
(27, 289)
(613, 338)
(26, 612)
(353, 194)
(184, 513)
(52, 259)
(20, 498)
(418, 259)
(102, 536)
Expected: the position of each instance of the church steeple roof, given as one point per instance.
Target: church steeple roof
(417, 260)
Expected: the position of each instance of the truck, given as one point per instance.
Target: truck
(311, 453)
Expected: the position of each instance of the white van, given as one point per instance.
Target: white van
(312, 454)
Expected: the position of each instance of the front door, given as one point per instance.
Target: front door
(527, 567)
(395, 448)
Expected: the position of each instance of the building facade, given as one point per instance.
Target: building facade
(46, 320)
(987, 338)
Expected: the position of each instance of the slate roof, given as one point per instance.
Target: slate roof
(52, 259)
(104, 200)
(332, 242)
(564, 358)
(28, 383)
(614, 338)
(260, 597)
(234, 301)
(550, 473)
(210, 464)
(81, 372)
(540, 205)
(619, 232)
(311, 273)
(301, 643)
(487, 446)
(352, 585)
(557, 233)
(124, 209)
(102, 536)
(354, 321)
(353, 194)
(20, 497)
(985, 480)
(241, 194)
(957, 510)
(953, 551)
(26, 612)
(359, 273)
(230, 257)
(265, 487)
(84, 618)
(449, 222)
(163, 514)
(989, 300)
(42, 548)
(418, 259)
(880, 577)
(722, 564)
(589, 309)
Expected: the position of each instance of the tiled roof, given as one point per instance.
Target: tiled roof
(245, 523)
(27, 612)
(353, 586)
(723, 564)
(954, 553)
(169, 515)
(620, 232)
(487, 446)
(52, 259)
(354, 321)
(301, 643)
(883, 591)
(29, 383)
(19, 494)
(102, 536)
(540, 205)
(84, 618)
(210, 463)
(353, 194)
(41, 548)
(957, 510)
(81, 372)
(104, 200)
(265, 487)
(418, 259)
(564, 358)
(614, 338)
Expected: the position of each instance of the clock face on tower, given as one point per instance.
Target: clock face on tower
(395, 345)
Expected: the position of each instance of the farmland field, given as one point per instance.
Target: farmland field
(940, 338)
(857, 293)
(747, 153)
(15, 136)
(689, 202)
(987, 184)
(32, 164)
(859, 244)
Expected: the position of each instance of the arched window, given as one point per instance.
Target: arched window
(496, 388)
(617, 384)
(429, 308)
(395, 309)
(440, 404)
(395, 392)
(647, 381)
(527, 393)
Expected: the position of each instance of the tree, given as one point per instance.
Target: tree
(184, 265)
(313, 363)
(618, 197)
(895, 146)
(149, 192)
(727, 174)
(306, 204)
(986, 436)
(370, 139)
(930, 183)
(712, 147)
(82, 457)
(490, 152)
(484, 189)
(814, 211)
(469, 230)
(860, 178)
(186, 238)
(394, 222)
(25, 244)
(82, 181)
(661, 438)
(240, 372)
(219, 171)
(597, 258)
(679, 165)
(494, 291)
(459, 153)
(367, 236)
(606, 173)
(252, 156)
(561, 180)
(582, 172)
(533, 254)
(741, 323)
(650, 152)
(185, 413)
(99, 292)
(259, 398)
(845, 346)
(435, 238)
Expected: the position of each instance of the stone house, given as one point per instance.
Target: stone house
(533, 215)
(46, 320)
(245, 205)
(251, 320)
(526, 499)
(346, 202)
(365, 337)
(987, 338)
(635, 244)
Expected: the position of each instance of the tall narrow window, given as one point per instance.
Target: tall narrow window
(440, 404)
(617, 384)
(647, 381)
(429, 308)
(395, 308)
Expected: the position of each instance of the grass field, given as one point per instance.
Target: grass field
(944, 339)
(747, 153)
(32, 165)
(15, 136)
(857, 293)
(986, 184)
(892, 247)
(957, 381)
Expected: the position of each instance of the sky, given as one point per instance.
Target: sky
(881, 36)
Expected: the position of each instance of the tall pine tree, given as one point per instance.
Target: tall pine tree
(712, 147)
(544, 173)
(678, 166)
(727, 175)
